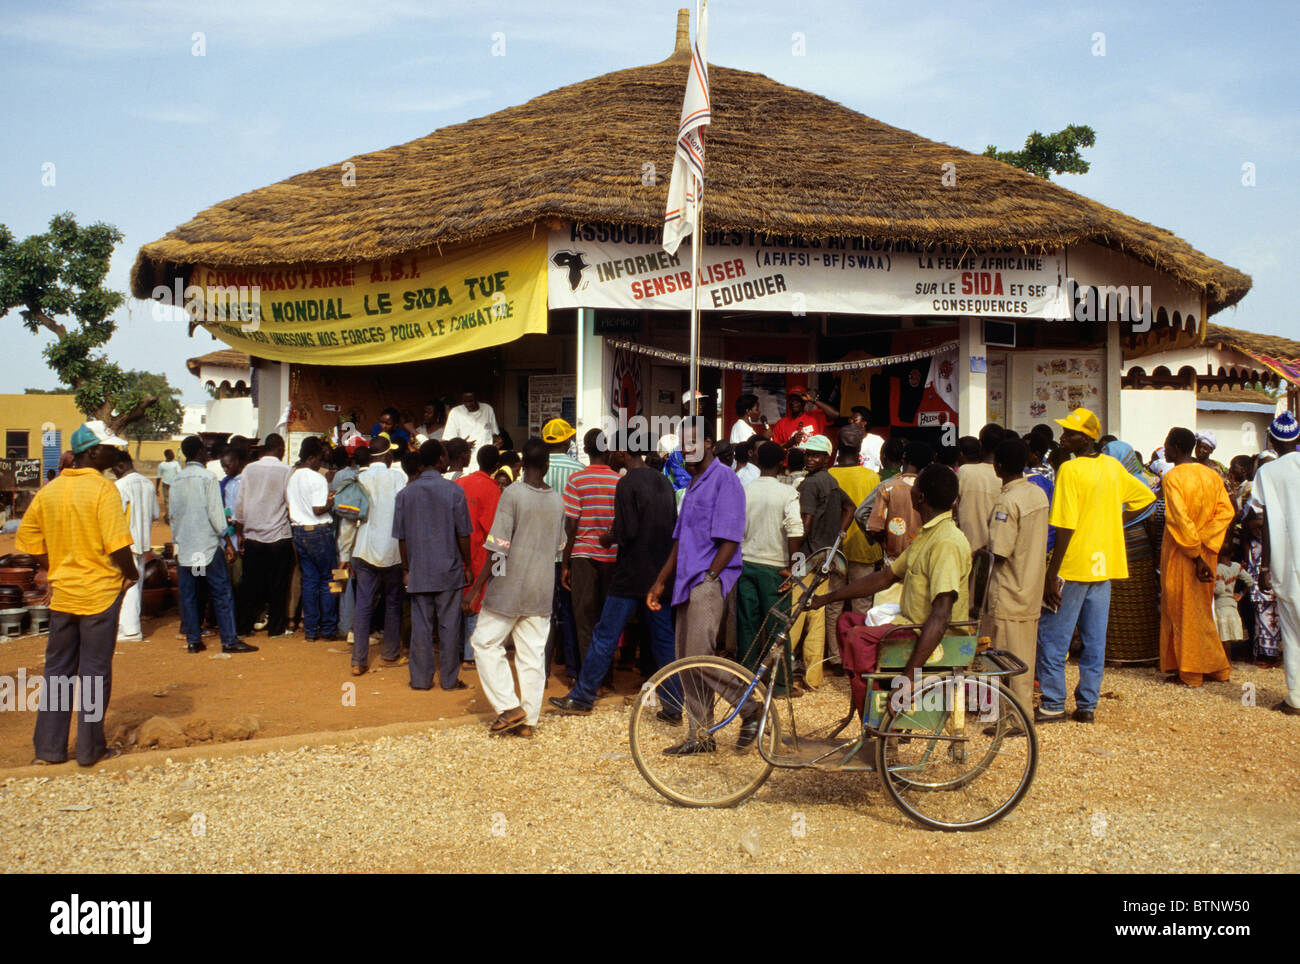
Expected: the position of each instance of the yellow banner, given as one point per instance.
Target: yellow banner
(378, 312)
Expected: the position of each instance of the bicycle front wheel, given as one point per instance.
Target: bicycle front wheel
(674, 741)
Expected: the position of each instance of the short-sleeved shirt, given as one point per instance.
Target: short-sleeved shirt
(772, 518)
(261, 504)
(978, 486)
(741, 431)
(821, 497)
(1091, 494)
(858, 483)
(477, 426)
(894, 515)
(936, 562)
(430, 515)
(307, 489)
(482, 495)
(812, 421)
(77, 519)
(1017, 530)
(167, 471)
(528, 531)
(713, 512)
(589, 499)
(375, 543)
(645, 511)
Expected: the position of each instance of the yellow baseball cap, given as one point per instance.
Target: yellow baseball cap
(557, 430)
(1082, 420)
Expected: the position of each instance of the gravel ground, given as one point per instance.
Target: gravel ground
(1169, 779)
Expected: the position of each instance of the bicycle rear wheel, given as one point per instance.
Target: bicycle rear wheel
(963, 783)
(700, 692)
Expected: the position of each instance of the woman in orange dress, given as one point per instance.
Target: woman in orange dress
(1197, 515)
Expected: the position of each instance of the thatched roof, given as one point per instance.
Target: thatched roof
(781, 161)
(1253, 343)
(223, 358)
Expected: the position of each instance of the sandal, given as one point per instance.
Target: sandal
(505, 723)
(525, 731)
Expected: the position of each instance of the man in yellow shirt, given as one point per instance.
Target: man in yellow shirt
(1088, 510)
(858, 482)
(77, 525)
(935, 570)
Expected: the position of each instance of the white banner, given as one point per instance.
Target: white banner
(608, 266)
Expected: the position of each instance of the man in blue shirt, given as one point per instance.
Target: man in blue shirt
(432, 527)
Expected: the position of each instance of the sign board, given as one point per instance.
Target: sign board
(20, 474)
(604, 266)
(551, 396)
(402, 309)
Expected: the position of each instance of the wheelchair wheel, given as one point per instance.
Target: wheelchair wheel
(960, 784)
(699, 692)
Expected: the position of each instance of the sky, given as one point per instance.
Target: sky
(1187, 99)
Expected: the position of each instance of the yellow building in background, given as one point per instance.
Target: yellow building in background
(23, 418)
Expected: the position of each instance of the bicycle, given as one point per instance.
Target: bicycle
(960, 755)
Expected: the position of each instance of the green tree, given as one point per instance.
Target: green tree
(1048, 154)
(162, 418)
(56, 281)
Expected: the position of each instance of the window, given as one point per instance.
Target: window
(16, 445)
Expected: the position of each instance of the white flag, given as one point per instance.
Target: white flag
(686, 187)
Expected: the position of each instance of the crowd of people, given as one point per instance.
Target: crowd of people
(455, 550)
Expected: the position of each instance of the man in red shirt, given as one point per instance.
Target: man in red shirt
(805, 416)
(588, 513)
(482, 493)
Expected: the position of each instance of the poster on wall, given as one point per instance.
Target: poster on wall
(551, 396)
(997, 388)
(1056, 385)
(613, 267)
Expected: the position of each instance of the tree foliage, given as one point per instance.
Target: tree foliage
(1048, 154)
(56, 281)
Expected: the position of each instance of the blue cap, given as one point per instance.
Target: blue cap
(1284, 428)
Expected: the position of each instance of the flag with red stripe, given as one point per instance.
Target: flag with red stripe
(686, 186)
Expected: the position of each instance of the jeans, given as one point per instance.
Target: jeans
(317, 557)
(1086, 604)
(604, 640)
(471, 620)
(217, 579)
(562, 621)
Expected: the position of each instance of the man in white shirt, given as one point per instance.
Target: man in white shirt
(141, 507)
(310, 501)
(377, 559)
(1277, 493)
(474, 421)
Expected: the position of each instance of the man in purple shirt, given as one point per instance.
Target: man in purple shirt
(704, 565)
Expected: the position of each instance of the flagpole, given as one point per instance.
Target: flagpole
(697, 245)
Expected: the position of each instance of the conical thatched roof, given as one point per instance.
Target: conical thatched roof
(781, 161)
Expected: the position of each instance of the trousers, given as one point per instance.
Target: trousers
(427, 609)
(530, 633)
(376, 585)
(80, 648)
(128, 622)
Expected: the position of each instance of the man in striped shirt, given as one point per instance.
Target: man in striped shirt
(588, 513)
(558, 435)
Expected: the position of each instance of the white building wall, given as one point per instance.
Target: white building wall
(1148, 415)
(1238, 433)
(234, 415)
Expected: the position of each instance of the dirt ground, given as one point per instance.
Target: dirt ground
(290, 686)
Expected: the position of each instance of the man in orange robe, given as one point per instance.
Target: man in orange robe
(1197, 515)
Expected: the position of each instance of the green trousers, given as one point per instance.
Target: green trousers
(758, 591)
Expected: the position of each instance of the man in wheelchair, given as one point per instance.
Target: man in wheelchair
(935, 571)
